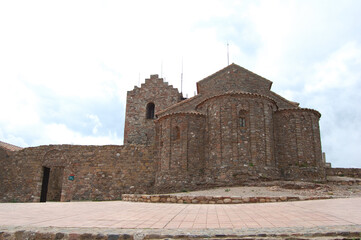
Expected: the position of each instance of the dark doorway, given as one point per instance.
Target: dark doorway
(44, 186)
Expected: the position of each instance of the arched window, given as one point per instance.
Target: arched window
(242, 118)
(150, 110)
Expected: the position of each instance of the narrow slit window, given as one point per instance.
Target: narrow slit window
(176, 133)
(150, 111)
(242, 118)
(242, 122)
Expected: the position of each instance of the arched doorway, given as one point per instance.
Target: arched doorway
(52, 176)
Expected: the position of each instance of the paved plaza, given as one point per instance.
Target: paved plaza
(131, 215)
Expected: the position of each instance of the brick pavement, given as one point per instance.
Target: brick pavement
(130, 215)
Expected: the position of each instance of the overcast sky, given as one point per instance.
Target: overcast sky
(66, 66)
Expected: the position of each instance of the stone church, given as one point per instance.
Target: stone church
(233, 131)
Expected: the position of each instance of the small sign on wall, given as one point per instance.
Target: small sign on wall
(71, 177)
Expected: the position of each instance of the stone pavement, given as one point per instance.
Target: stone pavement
(174, 219)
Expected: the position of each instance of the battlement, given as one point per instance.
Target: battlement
(153, 83)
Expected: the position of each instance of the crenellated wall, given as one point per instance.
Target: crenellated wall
(298, 144)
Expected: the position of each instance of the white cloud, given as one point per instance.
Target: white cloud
(18, 103)
(61, 134)
(96, 122)
(340, 70)
(332, 87)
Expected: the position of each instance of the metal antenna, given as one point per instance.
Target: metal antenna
(182, 78)
(161, 69)
(227, 54)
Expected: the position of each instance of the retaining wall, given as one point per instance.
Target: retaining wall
(345, 172)
(162, 198)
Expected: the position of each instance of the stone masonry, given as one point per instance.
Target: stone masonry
(140, 129)
(235, 130)
(99, 172)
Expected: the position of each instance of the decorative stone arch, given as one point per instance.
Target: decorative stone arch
(150, 111)
(54, 158)
(272, 107)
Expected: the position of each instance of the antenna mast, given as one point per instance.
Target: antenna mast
(182, 78)
(161, 69)
(227, 54)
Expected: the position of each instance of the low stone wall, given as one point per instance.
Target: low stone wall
(76, 172)
(162, 198)
(345, 182)
(344, 172)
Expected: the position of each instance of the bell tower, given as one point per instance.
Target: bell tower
(142, 105)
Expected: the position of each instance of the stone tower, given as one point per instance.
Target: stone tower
(142, 104)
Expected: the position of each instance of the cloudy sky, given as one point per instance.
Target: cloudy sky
(65, 66)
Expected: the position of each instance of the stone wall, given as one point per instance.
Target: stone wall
(233, 78)
(344, 172)
(298, 144)
(4, 155)
(180, 142)
(236, 153)
(138, 128)
(163, 198)
(100, 172)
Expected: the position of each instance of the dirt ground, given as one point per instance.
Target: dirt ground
(337, 187)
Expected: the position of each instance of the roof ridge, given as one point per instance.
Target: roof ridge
(233, 65)
(178, 104)
(237, 92)
(296, 104)
(299, 109)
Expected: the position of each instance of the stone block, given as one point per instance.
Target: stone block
(227, 200)
(154, 198)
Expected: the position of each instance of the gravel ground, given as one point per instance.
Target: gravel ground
(281, 188)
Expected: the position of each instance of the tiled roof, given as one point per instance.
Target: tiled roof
(184, 112)
(237, 93)
(300, 109)
(284, 99)
(9, 147)
(178, 104)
